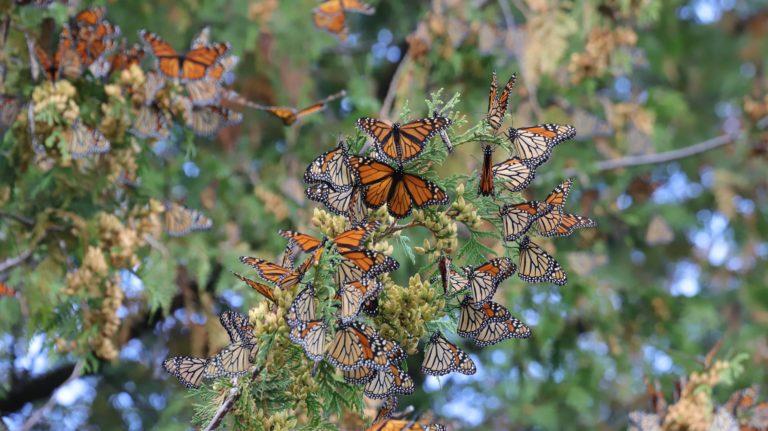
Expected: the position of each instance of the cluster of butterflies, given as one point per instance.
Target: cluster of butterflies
(89, 43)
(233, 360)
(348, 185)
(533, 147)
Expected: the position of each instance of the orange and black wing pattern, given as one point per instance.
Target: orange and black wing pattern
(486, 174)
(402, 143)
(534, 144)
(193, 65)
(400, 191)
(497, 106)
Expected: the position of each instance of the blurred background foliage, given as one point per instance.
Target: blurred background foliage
(678, 261)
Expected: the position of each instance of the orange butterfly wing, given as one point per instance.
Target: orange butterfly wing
(263, 289)
(197, 61)
(486, 175)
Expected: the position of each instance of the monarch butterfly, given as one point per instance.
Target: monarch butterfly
(359, 376)
(497, 106)
(355, 345)
(83, 141)
(330, 16)
(6, 290)
(453, 282)
(402, 143)
(152, 121)
(557, 222)
(124, 58)
(483, 280)
(496, 332)
(514, 174)
(64, 62)
(386, 410)
(180, 220)
(93, 35)
(238, 326)
(193, 65)
(394, 380)
(332, 167)
(401, 191)
(289, 115)
(208, 91)
(347, 240)
(534, 144)
(518, 218)
(473, 316)
(536, 266)
(442, 357)
(347, 203)
(190, 371)
(444, 136)
(395, 353)
(311, 336)
(354, 294)
(303, 307)
(235, 359)
(263, 289)
(389, 381)
(208, 120)
(283, 277)
(485, 187)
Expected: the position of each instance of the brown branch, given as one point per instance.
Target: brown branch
(19, 218)
(224, 408)
(14, 261)
(38, 414)
(659, 158)
(667, 156)
(229, 402)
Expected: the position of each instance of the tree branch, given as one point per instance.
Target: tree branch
(35, 388)
(42, 411)
(658, 158)
(667, 156)
(19, 218)
(13, 261)
(227, 404)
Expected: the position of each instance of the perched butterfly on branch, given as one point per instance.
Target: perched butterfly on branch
(517, 219)
(334, 183)
(402, 142)
(537, 266)
(193, 65)
(400, 191)
(387, 382)
(442, 357)
(482, 281)
(83, 141)
(289, 115)
(233, 360)
(180, 220)
(283, 277)
(497, 105)
(331, 15)
(498, 331)
(534, 144)
(263, 289)
(473, 316)
(65, 61)
(353, 296)
(94, 37)
(356, 345)
(485, 187)
(557, 222)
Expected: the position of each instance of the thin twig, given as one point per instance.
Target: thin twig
(14, 261)
(224, 408)
(667, 156)
(386, 106)
(39, 413)
(229, 402)
(19, 218)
